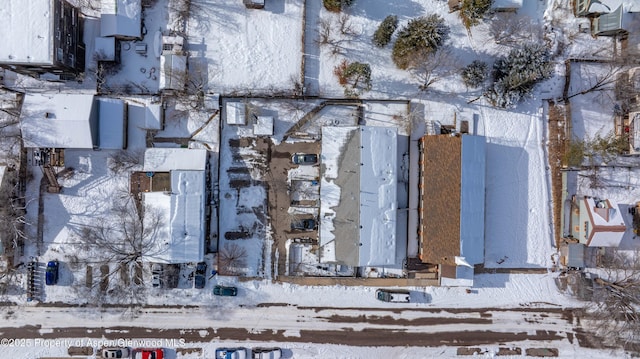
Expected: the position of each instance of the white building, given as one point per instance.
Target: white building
(121, 19)
(181, 238)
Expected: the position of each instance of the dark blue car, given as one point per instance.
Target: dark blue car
(51, 274)
(200, 278)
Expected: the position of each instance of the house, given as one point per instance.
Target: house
(181, 235)
(73, 121)
(610, 17)
(121, 19)
(358, 190)
(451, 205)
(46, 37)
(597, 222)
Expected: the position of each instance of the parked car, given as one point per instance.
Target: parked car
(148, 353)
(51, 273)
(225, 291)
(231, 353)
(115, 353)
(266, 353)
(304, 158)
(307, 224)
(394, 296)
(156, 274)
(200, 279)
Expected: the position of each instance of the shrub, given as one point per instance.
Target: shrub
(355, 77)
(474, 74)
(336, 5)
(421, 35)
(387, 27)
(472, 11)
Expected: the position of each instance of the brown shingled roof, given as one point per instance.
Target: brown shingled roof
(440, 201)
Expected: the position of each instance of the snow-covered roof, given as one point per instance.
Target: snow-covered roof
(169, 159)
(358, 195)
(263, 126)
(153, 116)
(607, 6)
(27, 31)
(111, 130)
(601, 223)
(181, 237)
(121, 18)
(59, 120)
(105, 48)
(472, 192)
(173, 71)
(235, 113)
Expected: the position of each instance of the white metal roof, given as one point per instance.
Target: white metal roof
(58, 120)
(607, 6)
(153, 116)
(170, 159)
(472, 198)
(121, 18)
(111, 123)
(27, 29)
(181, 238)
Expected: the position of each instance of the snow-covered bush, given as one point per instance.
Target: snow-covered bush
(474, 74)
(387, 27)
(472, 11)
(420, 35)
(515, 76)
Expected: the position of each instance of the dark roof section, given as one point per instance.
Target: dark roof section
(440, 199)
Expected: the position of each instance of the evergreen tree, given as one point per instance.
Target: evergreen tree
(336, 5)
(421, 35)
(386, 29)
(515, 75)
(474, 74)
(472, 11)
(355, 77)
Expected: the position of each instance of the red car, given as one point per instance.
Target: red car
(147, 353)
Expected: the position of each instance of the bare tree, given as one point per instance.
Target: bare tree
(123, 160)
(429, 67)
(334, 34)
(231, 259)
(122, 243)
(616, 298)
(599, 80)
(510, 29)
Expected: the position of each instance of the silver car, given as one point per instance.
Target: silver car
(115, 353)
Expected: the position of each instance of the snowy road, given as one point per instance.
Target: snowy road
(282, 323)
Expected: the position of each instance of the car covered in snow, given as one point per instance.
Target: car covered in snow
(225, 291)
(266, 353)
(200, 279)
(51, 273)
(148, 353)
(156, 274)
(115, 353)
(304, 158)
(393, 295)
(306, 224)
(231, 353)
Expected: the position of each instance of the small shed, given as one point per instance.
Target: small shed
(253, 4)
(263, 126)
(173, 72)
(154, 116)
(121, 19)
(575, 255)
(236, 113)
